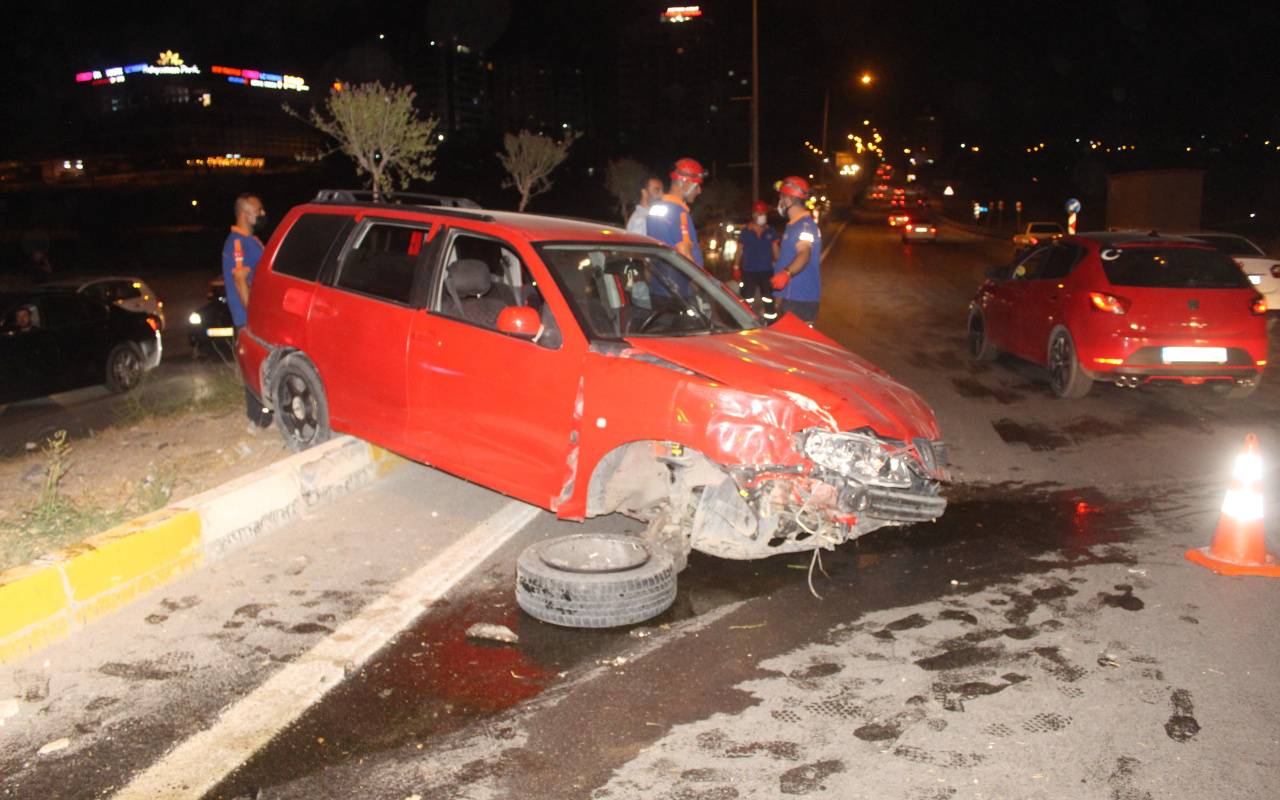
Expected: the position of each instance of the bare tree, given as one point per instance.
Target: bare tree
(379, 128)
(622, 179)
(530, 158)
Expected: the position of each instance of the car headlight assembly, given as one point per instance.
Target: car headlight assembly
(862, 458)
(194, 319)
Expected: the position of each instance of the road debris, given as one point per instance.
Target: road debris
(497, 633)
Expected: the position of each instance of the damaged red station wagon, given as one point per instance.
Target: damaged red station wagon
(582, 369)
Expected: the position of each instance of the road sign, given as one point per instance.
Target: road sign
(1073, 206)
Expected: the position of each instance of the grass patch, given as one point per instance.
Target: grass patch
(56, 520)
(217, 390)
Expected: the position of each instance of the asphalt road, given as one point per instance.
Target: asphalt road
(1045, 637)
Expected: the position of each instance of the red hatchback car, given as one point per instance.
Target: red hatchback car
(1125, 308)
(584, 370)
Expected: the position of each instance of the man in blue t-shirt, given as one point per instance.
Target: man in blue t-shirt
(753, 261)
(670, 222)
(797, 282)
(240, 254)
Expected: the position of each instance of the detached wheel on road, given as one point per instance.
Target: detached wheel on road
(980, 347)
(124, 367)
(302, 413)
(595, 580)
(1066, 378)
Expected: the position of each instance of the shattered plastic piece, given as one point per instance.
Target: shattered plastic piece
(54, 746)
(498, 633)
(8, 708)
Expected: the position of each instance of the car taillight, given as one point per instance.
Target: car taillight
(155, 324)
(1275, 270)
(1259, 306)
(1109, 303)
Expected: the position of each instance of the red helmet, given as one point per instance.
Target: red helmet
(759, 207)
(688, 170)
(794, 186)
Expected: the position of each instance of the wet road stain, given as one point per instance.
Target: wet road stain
(433, 680)
(1035, 435)
(1124, 600)
(970, 387)
(1182, 726)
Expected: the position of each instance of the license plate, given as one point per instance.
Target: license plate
(219, 333)
(1256, 280)
(1200, 355)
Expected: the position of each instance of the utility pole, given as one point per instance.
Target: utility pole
(755, 103)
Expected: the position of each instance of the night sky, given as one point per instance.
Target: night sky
(1004, 73)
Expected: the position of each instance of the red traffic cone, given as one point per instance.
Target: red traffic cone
(1239, 544)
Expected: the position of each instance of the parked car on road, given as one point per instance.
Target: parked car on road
(72, 341)
(209, 328)
(131, 293)
(1125, 308)
(582, 369)
(1037, 233)
(1262, 269)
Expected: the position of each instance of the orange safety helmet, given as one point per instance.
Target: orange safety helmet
(794, 186)
(688, 170)
(759, 207)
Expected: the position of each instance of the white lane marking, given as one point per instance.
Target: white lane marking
(194, 768)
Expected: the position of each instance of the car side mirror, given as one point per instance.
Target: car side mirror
(521, 322)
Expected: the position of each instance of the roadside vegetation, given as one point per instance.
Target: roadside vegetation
(75, 489)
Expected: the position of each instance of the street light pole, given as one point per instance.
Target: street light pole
(755, 104)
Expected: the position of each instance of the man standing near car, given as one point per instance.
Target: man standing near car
(650, 193)
(240, 254)
(797, 283)
(670, 222)
(753, 261)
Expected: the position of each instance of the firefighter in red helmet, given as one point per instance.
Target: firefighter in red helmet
(797, 282)
(753, 261)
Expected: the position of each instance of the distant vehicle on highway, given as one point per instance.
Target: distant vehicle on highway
(1262, 269)
(919, 228)
(899, 218)
(209, 328)
(1037, 233)
(131, 293)
(1125, 308)
(72, 341)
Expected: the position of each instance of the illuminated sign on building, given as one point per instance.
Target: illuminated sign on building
(171, 63)
(228, 160)
(266, 80)
(681, 13)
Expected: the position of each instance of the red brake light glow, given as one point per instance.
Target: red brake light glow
(1108, 303)
(1275, 270)
(155, 324)
(1259, 306)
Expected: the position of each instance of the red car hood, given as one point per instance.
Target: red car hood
(842, 386)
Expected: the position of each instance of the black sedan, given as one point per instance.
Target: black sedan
(209, 328)
(55, 341)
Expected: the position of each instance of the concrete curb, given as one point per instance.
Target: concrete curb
(59, 593)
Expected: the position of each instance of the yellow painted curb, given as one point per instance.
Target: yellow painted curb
(63, 591)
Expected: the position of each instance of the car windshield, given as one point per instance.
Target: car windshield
(1233, 245)
(1046, 227)
(642, 291)
(1171, 268)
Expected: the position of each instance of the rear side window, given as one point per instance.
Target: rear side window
(1171, 268)
(307, 245)
(1062, 259)
(384, 260)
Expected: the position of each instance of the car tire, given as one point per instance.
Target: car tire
(1066, 378)
(980, 347)
(301, 409)
(124, 367)
(1236, 391)
(595, 580)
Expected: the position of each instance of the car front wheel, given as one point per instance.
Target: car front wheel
(124, 367)
(1066, 377)
(301, 411)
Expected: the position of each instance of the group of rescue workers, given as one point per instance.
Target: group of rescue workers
(783, 271)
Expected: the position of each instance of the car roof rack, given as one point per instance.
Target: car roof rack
(440, 204)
